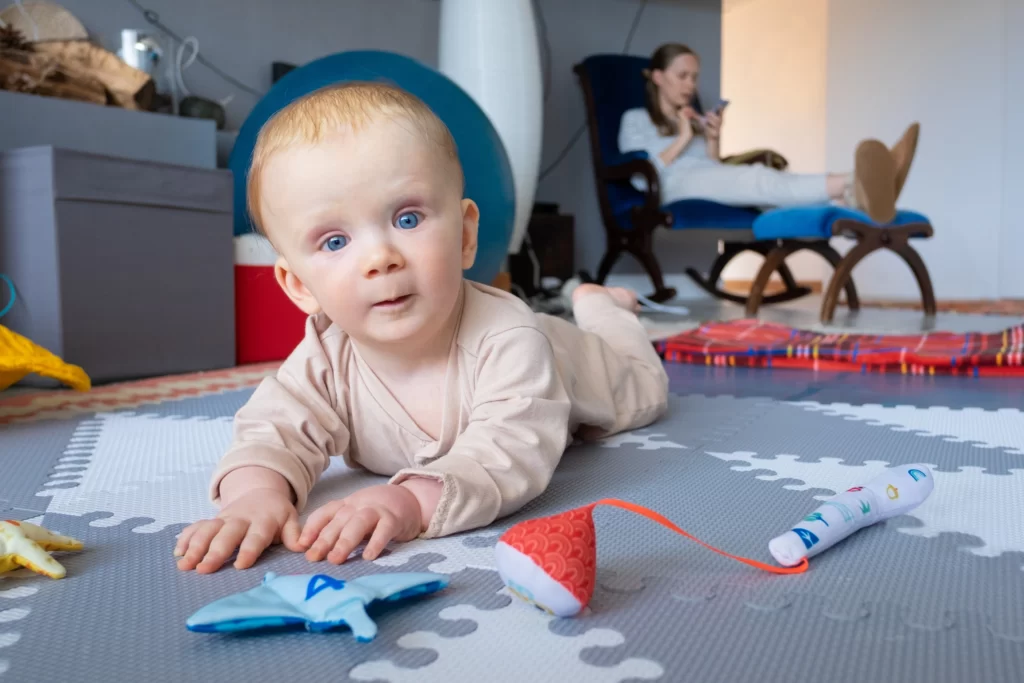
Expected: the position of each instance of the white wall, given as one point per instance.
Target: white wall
(850, 69)
(774, 58)
(947, 65)
(1011, 239)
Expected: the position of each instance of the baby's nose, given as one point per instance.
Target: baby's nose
(382, 260)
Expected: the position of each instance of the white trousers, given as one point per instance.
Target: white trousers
(746, 185)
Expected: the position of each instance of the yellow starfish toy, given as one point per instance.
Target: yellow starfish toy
(27, 545)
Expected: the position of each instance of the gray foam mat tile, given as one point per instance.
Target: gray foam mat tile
(989, 393)
(738, 382)
(930, 577)
(733, 471)
(811, 431)
(1001, 429)
(138, 630)
(18, 514)
(224, 404)
(30, 451)
(724, 639)
(638, 465)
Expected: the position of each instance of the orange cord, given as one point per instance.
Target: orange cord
(664, 521)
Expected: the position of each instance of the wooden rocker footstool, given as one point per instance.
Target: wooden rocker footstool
(811, 228)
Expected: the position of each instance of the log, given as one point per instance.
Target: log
(129, 87)
(39, 74)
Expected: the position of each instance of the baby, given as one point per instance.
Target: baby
(458, 392)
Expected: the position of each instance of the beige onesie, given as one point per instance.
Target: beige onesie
(518, 386)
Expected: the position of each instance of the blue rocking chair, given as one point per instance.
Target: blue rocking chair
(612, 84)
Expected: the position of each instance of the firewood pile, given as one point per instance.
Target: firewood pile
(72, 69)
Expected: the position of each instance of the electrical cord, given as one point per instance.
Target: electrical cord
(583, 127)
(545, 46)
(548, 300)
(154, 19)
(14, 295)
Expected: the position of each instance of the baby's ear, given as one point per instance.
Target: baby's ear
(293, 287)
(470, 225)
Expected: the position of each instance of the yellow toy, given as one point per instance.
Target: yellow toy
(20, 357)
(27, 545)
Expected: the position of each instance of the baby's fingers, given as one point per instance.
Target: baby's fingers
(358, 528)
(193, 548)
(259, 536)
(223, 545)
(318, 520)
(181, 545)
(290, 533)
(328, 535)
(387, 529)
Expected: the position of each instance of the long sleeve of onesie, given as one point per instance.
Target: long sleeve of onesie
(637, 133)
(293, 422)
(515, 438)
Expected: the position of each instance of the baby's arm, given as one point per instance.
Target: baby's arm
(517, 434)
(283, 439)
(287, 432)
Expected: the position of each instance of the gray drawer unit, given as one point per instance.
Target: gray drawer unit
(123, 267)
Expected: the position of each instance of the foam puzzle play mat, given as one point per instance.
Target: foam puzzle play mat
(879, 520)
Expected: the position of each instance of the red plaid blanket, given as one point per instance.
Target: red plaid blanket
(750, 343)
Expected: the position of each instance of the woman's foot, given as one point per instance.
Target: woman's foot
(874, 181)
(903, 154)
(623, 298)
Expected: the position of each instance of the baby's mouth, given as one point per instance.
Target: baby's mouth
(391, 303)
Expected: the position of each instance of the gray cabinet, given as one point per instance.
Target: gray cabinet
(123, 267)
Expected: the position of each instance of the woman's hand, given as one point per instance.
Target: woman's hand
(713, 125)
(684, 122)
(687, 115)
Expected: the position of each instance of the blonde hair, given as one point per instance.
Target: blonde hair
(350, 105)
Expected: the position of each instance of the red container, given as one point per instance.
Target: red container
(268, 326)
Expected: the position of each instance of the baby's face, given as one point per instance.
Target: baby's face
(372, 229)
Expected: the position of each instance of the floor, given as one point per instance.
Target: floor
(803, 314)
(741, 455)
(932, 595)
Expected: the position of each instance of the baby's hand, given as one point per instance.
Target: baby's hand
(249, 523)
(385, 513)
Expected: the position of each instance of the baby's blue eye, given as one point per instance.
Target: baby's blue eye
(408, 221)
(335, 243)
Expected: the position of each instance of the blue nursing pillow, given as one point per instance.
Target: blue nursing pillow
(489, 180)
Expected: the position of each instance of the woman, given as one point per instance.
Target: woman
(684, 148)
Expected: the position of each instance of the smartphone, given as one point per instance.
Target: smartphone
(699, 122)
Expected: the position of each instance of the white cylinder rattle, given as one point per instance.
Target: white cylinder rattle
(894, 492)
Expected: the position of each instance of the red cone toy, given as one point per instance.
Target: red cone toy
(551, 562)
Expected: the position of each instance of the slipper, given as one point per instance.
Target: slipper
(874, 181)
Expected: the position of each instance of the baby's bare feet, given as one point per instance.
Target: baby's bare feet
(623, 298)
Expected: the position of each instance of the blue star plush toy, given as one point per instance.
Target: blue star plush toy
(318, 601)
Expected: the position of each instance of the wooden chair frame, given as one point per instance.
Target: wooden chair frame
(638, 241)
(870, 238)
